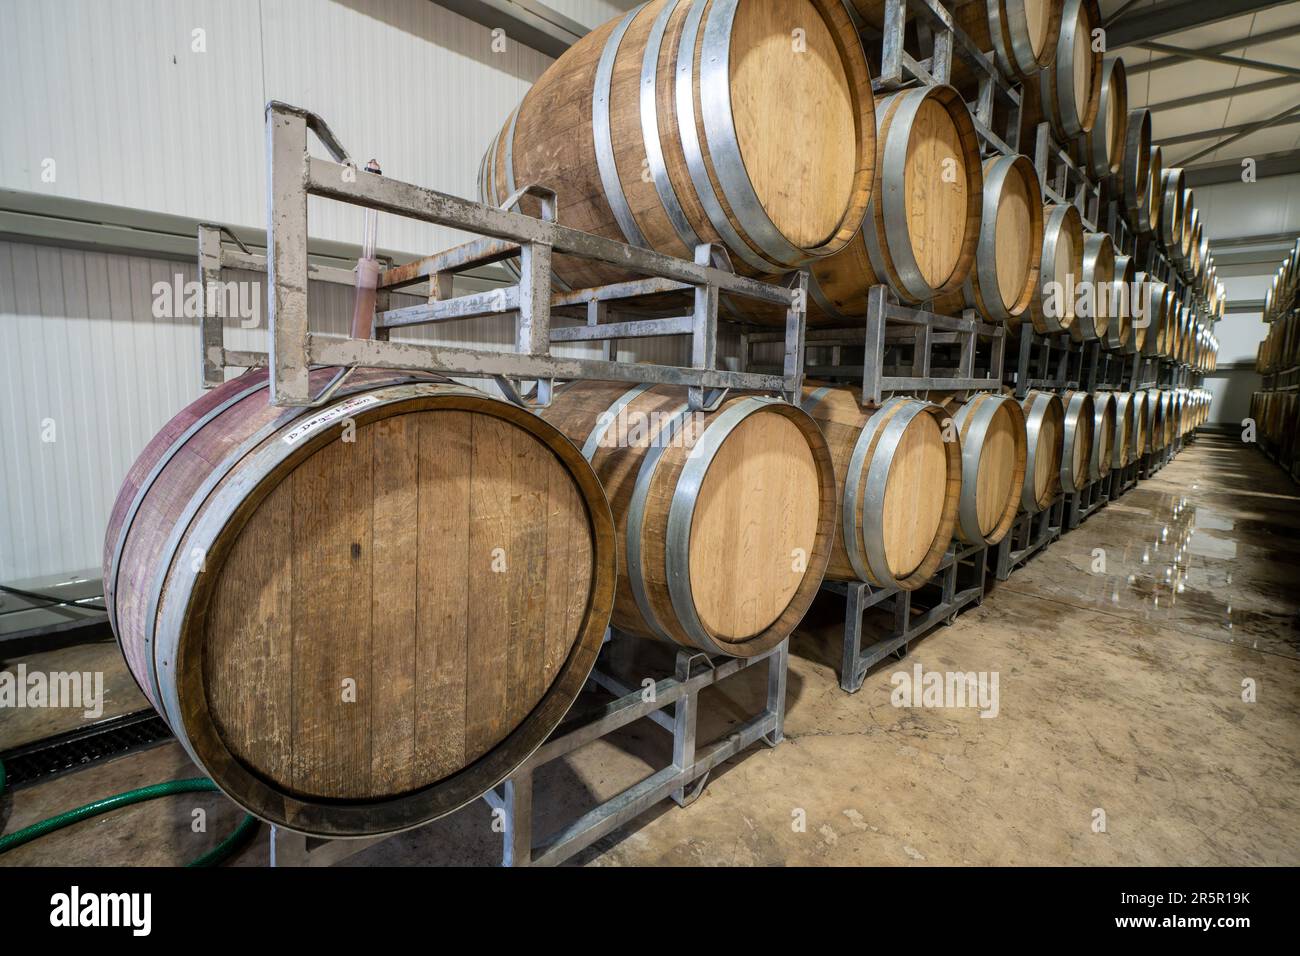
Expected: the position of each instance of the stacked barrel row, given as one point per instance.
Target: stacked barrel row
(1276, 415)
(1282, 299)
(361, 616)
(1276, 409)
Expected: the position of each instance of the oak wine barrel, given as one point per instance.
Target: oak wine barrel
(1158, 298)
(897, 484)
(993, 453)
(1182, 256)
(1070, 88)
(1104, 145)
(1044, 444)
(1020, 35)
(1135, 177)
(1155, 195)
(1005, 274)
(1097, 287)
(1173, 186)
(1103, 434)
(1125, 430)
(1201, 259)
(1139, 443)
(1119, 333)
(923, 222)
(1142, 295)
(725, 519)
(687, 121)
(1051, 308)
(1076, 450)
(1170, 416)
(308, 596)
(1155, 420)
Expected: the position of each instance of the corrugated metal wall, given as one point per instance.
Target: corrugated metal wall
(130, 114)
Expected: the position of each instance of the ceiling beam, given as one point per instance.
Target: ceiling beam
(1213, 95)
(1238, 306)
(1282, 163)
(1238, 61)
(530, 22)
(1166, 18)
(1186, 56)
(1286, 118)
(1263, 239)
(1114, 17)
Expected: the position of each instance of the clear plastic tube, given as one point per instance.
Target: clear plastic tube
(363, 311)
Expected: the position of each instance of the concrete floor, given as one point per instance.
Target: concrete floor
(1120, 693)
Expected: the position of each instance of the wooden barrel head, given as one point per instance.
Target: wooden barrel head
(757, 509)
(1045, 435)
(1098, 279)
(1103, 434)
(993, 448)
(794, 117)
(362, 616)
(1052, 307)
(1076, 455)
(1082, 61)
(916, 495)
(936, 192)
(1018, 241)
(897, 482)
(437, 569)
(997, 468)
(1038, 17)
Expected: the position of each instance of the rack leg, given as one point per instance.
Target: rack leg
(685, 715)
(778, 664)
(850, 678)
(517, 804)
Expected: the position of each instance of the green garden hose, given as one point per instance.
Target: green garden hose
(218, 854)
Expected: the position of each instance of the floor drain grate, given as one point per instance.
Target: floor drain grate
(80, 748)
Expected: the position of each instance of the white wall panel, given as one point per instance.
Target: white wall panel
(114, 94)
(591, 13)
(1264, 207)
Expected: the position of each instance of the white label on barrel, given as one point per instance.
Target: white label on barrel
(342, 410)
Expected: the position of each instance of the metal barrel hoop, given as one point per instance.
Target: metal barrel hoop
(681, 514)
(602, 133)
(650, 131)
(1038, 408)
(1080, 411)
(636, 523)
(1052, 230)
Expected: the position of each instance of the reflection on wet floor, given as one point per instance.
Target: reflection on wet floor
(1189, 549)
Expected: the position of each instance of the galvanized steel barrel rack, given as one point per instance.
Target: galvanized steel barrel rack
(294, 174)
(611, 701)
(1030, 534)
(1064, 181)
(996, 109)
(904, 351)
(959, 583)
(438, 282)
